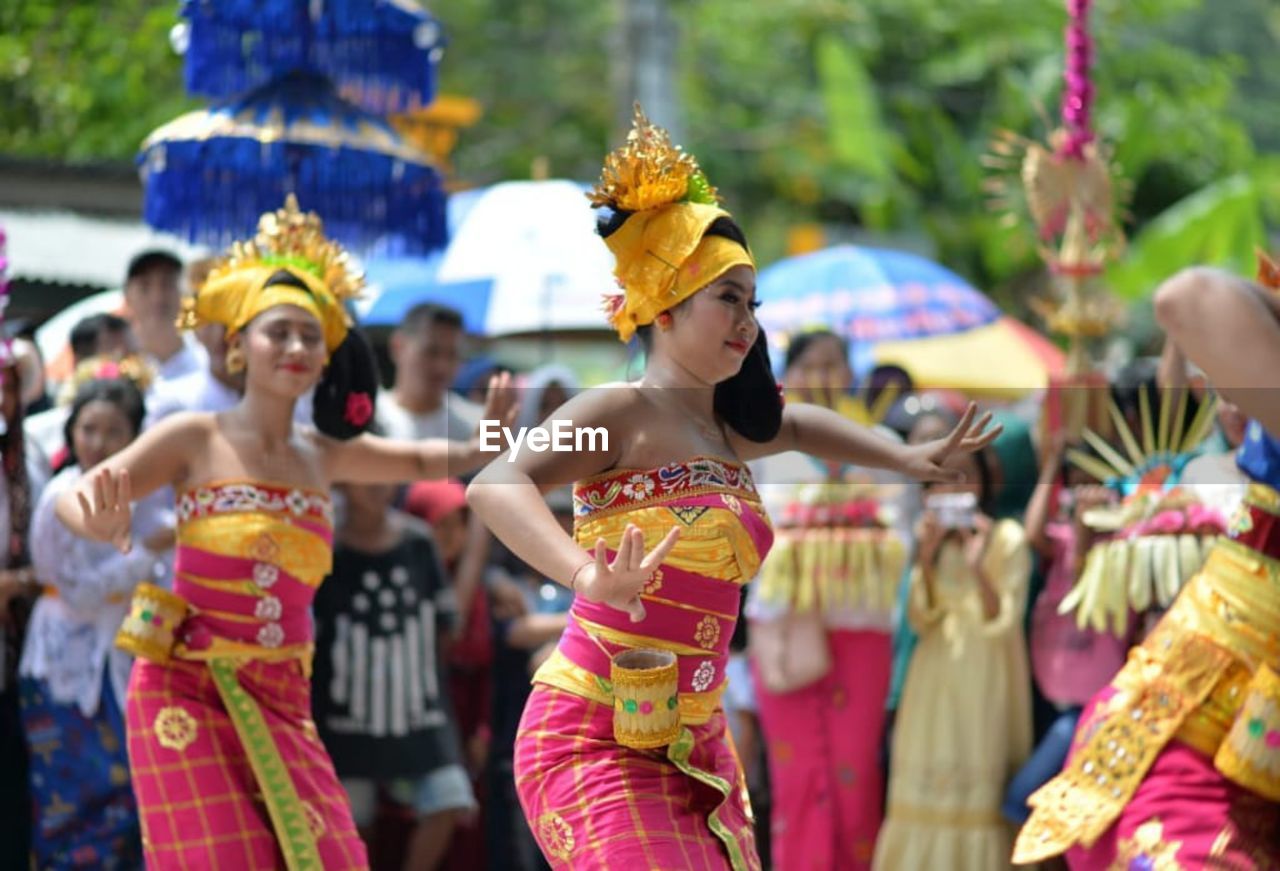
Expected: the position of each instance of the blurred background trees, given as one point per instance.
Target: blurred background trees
(820, 120)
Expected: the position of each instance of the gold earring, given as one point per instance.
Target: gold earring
(235, 360)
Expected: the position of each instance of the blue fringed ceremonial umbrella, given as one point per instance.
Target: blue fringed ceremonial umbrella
(209, 174)
(380, 54)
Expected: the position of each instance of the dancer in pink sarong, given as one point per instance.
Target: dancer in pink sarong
(227, 766)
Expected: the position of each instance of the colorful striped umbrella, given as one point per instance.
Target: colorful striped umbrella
(898, 308)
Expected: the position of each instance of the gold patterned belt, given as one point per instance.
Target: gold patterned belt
(1206, 676)
(150, 631)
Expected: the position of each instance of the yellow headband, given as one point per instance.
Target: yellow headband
(235, 297)
(651, 291)
(663, 255)
(236, 290)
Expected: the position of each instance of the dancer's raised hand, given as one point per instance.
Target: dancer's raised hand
(926, 462)
(500, 400)
(108, 512)
(618, 583)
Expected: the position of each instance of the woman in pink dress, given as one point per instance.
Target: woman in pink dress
(227, 766)
(668, 526)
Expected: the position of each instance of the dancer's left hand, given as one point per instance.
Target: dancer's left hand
(927, 462)
(500, 400)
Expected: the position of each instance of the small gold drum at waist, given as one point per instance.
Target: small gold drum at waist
(646, 704)
(154, 616)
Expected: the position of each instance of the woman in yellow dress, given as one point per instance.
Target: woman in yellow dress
(964, 722)
(630, 767)
(226, 764)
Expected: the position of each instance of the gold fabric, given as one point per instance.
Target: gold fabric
(1188, 680)
(662, 254)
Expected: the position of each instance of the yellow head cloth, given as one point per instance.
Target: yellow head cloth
(235, 297)
(661, 251)
(237, 290)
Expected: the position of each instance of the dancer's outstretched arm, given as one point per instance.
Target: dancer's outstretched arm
(824, 433)
(1230, 328)
(370, 459)
(99, 506)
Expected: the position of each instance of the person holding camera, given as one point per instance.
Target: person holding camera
(964, 721)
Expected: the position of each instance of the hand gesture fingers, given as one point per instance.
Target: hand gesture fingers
(981, 434)
(500, 400)
(659, 553)
(620, 582)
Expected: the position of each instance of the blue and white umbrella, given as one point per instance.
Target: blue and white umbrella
(523, 257)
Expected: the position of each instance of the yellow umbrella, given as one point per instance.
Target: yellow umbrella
(1002, 360)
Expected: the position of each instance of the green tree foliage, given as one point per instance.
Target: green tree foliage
(867, 114)
(86, 81)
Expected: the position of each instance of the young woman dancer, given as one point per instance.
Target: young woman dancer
(674, 525)
(227, 766)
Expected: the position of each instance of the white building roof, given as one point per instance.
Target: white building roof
(68, 248)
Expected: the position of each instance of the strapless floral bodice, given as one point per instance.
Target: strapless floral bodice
(692, 600)
(250, 556)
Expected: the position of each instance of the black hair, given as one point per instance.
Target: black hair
(346, 397)
(120, 392)
(148, 260)
(986, 490)
(804, 341)
(13, 464)
(429, 314)
(748, 401)
(88, 331)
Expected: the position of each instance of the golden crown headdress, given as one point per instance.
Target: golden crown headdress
(239, 286)
(661, 250)
(649, 171)
(288, 237)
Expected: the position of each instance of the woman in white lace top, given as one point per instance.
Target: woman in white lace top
(72, 678)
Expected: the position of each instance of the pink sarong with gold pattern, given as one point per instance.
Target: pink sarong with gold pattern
(591, 802)
(227, 766)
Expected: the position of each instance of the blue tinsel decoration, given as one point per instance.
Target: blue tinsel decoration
(381, 54)
(208, 175)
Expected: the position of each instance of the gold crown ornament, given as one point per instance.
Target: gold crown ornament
(661, 251)
(237, 289)
(100, 368)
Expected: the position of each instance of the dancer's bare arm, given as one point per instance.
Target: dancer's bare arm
(99, 506)
(369, 459)
(1230, 328)
(508, 496)
(823, 433)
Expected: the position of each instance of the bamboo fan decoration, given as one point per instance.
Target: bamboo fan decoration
(835, 546)
(1157, 536)
(835, 549)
